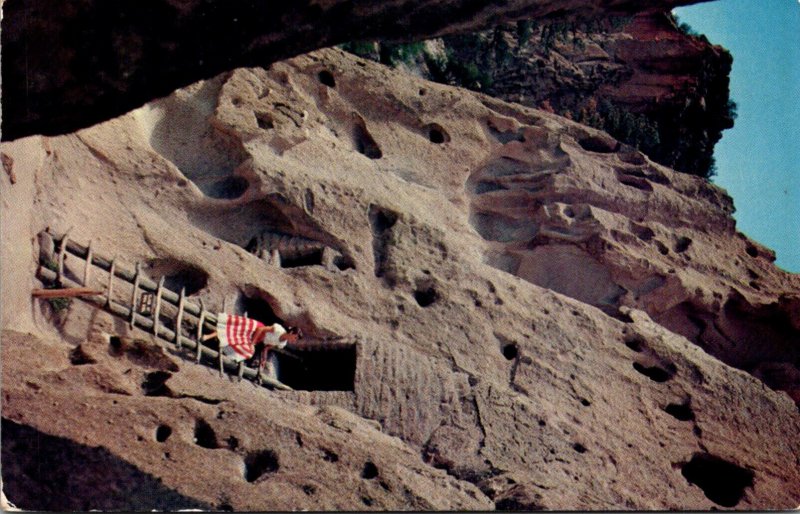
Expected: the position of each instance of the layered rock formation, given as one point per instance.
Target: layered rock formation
(538, 316)
(641, 78)
(69, 67)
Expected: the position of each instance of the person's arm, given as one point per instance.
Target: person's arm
(260, 333)
(262, 361)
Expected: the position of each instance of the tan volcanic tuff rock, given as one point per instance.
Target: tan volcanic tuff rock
(432, 230)
(69, 67)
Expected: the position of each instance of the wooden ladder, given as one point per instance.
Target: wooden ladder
(150, 320)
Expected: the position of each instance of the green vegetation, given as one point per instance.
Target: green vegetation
(731, 110)
(619, 22)
(557, 31)
(503, 55)
(360, 48)
(502, 60)
(525, 30)
(447, 69)
(636, 130)
(450, 70)
(686, 28)
(393, 54)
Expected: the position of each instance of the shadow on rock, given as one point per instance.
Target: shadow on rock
(46, 473)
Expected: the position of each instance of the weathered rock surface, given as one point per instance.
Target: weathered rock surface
(522, 292)
(67, 67)
(640, 77)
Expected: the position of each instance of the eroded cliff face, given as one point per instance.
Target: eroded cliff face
(639, 77)
(67, 67)
(539, 317)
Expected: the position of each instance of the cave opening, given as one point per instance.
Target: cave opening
(426, 297)
(510, 351)
(326, 77)
(317, 367)
(258, 464)
(179, 275)
(722, 482)
(228, 188)
(654, 373)
(257, 308)
(364, 142)
(680, 411)
(437, 134)
(598, 144)
(300, 259)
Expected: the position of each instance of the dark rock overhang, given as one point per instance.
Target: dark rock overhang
(69, 66)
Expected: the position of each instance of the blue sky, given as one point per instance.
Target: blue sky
(758, 161)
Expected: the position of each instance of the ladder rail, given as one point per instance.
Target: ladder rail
(144, 284)
(165, 333)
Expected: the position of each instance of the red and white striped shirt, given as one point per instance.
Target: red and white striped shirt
(243, 334)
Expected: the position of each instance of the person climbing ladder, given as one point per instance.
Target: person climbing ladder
(240, 338)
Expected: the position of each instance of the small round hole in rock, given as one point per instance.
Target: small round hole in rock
(330, 456)
(115, 342)
(578, 447)
(654, 373)
(264, 121)
(155, 384)
(437, 134)
(681, 412)
(510, 351)
(635, 343)
(752, 251)
(682, 244)
(644, 233)
(162, 433)
(364, 142)
(326, 78)
(260, 463)
(426, 297)
(204, 435)
(79, 357)
(344, 262)
(370, 471)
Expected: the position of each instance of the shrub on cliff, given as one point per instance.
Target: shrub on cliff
(636, 130)
(455, 72)
(393, 54)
